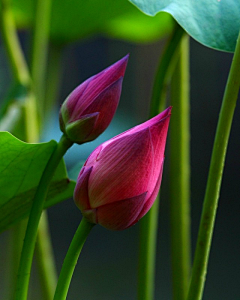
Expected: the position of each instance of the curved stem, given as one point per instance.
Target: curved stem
(31, 129)
(34, 217)
(149, 223)
(20, 70)
(180, 174)
(71, 259)
(214, 179)
(164, 72)
(16, 57)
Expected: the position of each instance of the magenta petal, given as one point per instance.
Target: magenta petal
(119, 215)
(122, 169)
(102, 80)
(72, 103)
(148, 204)
(106, 104)
(81, 190)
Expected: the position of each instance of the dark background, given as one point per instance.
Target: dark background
(107, 268)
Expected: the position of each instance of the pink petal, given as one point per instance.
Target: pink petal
(162, 117)
(122, 169)
(92, 87)
(149, 202)
(106, 104)
(119, 215)
(81, 189)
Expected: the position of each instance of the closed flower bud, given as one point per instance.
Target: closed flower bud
(120, 180)
(89, 109)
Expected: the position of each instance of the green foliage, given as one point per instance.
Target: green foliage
(213, 23)
(21, 167)
(73, 19)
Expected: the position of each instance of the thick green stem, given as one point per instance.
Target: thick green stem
(34, 218)
(180, 174)
(164, 72)
(149, 224)
(214, 179)
(147, 253)
(45, 259)
(40, 49)
(40, 41)
(71, 259)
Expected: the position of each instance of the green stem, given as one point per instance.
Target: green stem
(20, 70)
(164, 72)
(40, 40)
(180, 174)
(40, 49)
(21, 74)
(14, 247)
(147, 253)
(71, 259)
(214, 179)
(34, 217)
(9, 33)
(45, 259)
(149, 224)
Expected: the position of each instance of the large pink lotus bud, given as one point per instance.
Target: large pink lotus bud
(89, 109)
(121, 178)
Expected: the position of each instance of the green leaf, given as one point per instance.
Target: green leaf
(139, 28)
(21, 167)
(73, 19)
(214, 23)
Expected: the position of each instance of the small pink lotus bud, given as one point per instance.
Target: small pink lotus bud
(121, 178)
(89, 109)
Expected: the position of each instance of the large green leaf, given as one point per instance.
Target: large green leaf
(21, 167)
(74, 19)
(214, 23)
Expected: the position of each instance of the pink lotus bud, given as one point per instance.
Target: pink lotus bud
(121, 178)
(89, 109)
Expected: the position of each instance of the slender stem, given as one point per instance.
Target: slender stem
(71, 259)
(180, 174)
(40, 40)
(34, 217)
(31, 128)
(149, 224)
(14, 247)
(45, 259)
(164, 72)
(214, 179)
(9, 33)
(20, 69)
(147, 253)
(40, 49)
